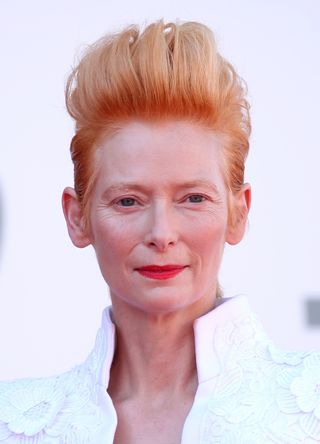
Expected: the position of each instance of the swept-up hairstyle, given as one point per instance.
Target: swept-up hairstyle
(164, 71)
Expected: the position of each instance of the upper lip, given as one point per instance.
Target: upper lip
(167, 267)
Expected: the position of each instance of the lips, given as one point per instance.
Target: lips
(161, 271)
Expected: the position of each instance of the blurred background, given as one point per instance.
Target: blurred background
(51, 294)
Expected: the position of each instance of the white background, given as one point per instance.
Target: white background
(51, 294)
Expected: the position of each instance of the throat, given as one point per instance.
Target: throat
(159, 379)
(161, 372)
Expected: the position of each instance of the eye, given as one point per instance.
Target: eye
(196, 198)
(126, 202)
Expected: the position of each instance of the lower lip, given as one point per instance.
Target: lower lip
(161, 275)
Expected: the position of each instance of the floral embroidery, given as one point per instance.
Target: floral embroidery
(306, 388)
(31, 408)
(262, 395)
(56, 410)
(282, 357)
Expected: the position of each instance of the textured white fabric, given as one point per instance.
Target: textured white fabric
(249, 392)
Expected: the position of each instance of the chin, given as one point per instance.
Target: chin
(159, 301)
(161, 304)
(162, 307)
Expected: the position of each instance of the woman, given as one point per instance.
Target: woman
(162, 130)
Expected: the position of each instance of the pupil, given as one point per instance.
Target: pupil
(196, 198)
(127, 202)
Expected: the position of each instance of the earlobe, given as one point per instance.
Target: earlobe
(241, 202)
(74, 218)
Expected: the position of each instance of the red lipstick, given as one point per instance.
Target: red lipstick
(160, 271)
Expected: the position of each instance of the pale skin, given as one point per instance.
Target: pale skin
(160, 198)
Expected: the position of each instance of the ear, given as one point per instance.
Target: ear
(74, 217)
(239, 207)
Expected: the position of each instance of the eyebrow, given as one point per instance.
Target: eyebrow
(199, 183)
(127, 186)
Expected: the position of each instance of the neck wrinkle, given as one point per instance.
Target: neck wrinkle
(165, 362)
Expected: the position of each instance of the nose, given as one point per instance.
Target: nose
(161, 232)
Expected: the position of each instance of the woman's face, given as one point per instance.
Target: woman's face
(159, 215)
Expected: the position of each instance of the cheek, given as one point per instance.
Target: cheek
(113, 239)
(208, 239)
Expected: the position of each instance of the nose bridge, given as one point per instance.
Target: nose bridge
(162, 225)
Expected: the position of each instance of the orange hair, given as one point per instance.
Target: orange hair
(164, 71)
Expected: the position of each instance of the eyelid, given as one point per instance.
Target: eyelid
(118, 200)
(137, 200)
(204, 196)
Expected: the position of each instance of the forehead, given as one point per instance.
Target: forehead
(159, 151)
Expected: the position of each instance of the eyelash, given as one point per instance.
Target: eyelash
(126, 199)
(133, 200)
(203, 198)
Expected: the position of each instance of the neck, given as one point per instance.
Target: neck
(155, 354)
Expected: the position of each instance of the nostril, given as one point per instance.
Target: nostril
(161, 244)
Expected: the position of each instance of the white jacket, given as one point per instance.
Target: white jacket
(249, 392)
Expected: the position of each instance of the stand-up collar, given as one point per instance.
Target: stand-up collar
(106, 343)
(211, 325)
(206, 329)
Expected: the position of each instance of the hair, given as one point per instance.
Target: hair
(164, 71)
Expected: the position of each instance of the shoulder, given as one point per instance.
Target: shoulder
(270, 394)
(259, 393)
(43, 410)
(297, 390)
(40, 408)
